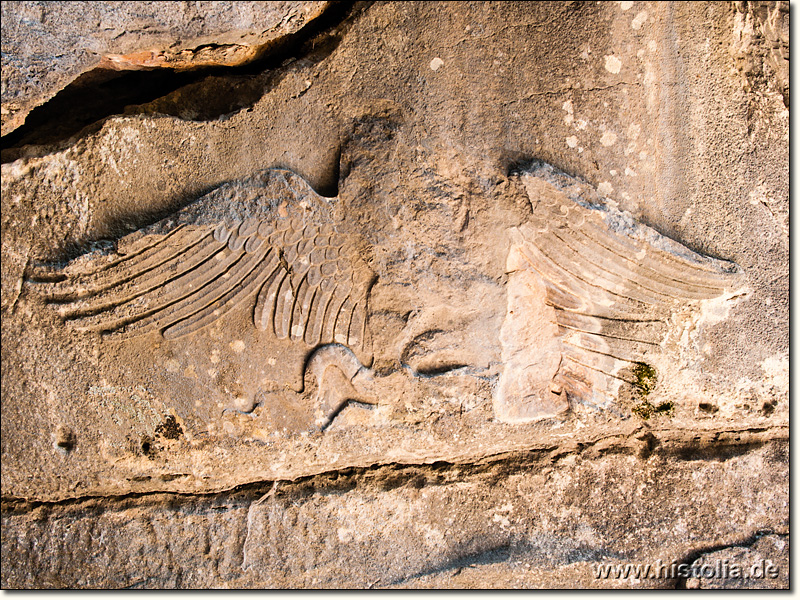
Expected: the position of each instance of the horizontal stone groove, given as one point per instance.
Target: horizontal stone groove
(719, 445)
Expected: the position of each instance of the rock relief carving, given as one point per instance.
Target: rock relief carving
(593, 295)
(269, 240)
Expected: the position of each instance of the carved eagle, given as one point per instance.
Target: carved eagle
(268, 239)
(591, 293)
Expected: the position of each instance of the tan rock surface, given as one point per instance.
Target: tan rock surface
(532, 520)
(524, 261)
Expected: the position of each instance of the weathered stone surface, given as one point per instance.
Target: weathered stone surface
(47, 45)
(463, 255)
(529, 520)
(761, 45)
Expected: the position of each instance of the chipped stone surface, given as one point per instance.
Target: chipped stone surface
(489, 266)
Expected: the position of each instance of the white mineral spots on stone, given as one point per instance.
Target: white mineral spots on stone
(634, 129)
(630, 172)
(572, 141)
(344, 534)
(776, 371)
(626, 5)
(613, 172)
(605, 188)
(567, 106)
(502, 520)
(214, 357)
(120, 148)
(613, 64)
(172, 365)
(639, 20)
(652, 46)
(714, 310)
(436, 64)
(609, 138)
(433, 537)
(580, 124)
(237, 346)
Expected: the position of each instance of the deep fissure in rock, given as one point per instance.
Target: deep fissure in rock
(82, 106)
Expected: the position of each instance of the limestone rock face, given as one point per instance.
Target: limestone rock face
(428, 295)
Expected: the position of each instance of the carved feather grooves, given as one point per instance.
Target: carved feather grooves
(93, 282)
(583, 294)
(305, 279)
(254, 277)
(316, 314)
(176, 298)
(283, 309)
(145, 282)
(590, 257)
(264, 313)
(606, 365)
(137, 245)
(181, 297)
(614, 284)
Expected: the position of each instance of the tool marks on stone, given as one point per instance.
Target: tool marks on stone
(612, 287)
(280, 248)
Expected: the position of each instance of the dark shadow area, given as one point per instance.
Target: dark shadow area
(89, 99)
(715, 452)
(690, 558)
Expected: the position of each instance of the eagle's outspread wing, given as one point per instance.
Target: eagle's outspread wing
(269, 238)
(614, 288)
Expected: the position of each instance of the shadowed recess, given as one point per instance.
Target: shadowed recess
(82, 106)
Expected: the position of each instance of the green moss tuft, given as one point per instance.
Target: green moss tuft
(645, 410)
(645, 378)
